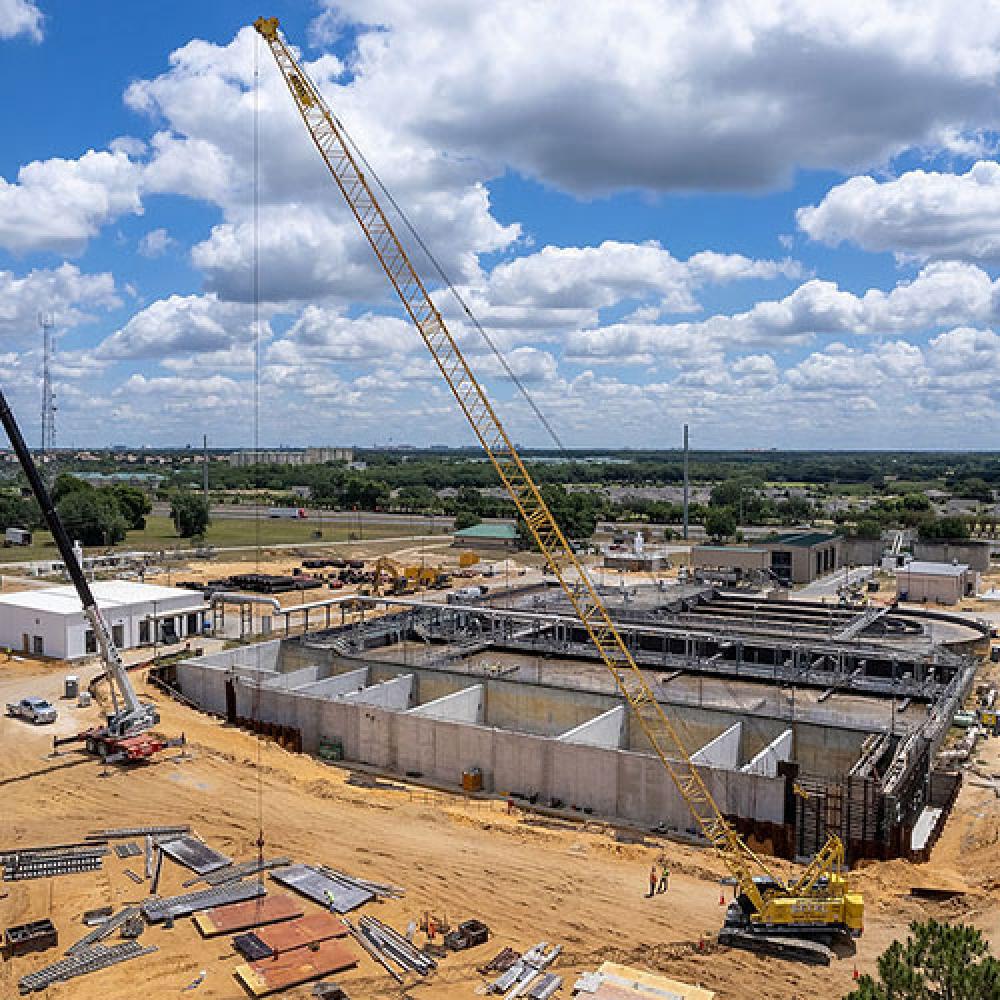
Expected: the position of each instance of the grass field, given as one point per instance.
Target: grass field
(224, 533)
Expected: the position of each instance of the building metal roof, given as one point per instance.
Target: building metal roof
(804, 539)
(507, 532)
(934, 568)
(110, 594)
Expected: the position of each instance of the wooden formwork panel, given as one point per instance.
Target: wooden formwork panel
(291, 968)
(243, 916)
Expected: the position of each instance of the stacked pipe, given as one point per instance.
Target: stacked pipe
(395, 947)
(383, 890)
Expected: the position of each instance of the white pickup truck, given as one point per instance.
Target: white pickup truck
(36, 710)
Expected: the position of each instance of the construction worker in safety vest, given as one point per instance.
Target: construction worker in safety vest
(664, 880)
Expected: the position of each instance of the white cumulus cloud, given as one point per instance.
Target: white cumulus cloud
(20, 17)
(921, 214)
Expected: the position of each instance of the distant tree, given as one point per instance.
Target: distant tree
(720, 522)
(945, 528)
(92, 517)
(916, 501)
(868, 527)
(133, 503)
(938, 961)
(466, 519)
(66, 484)
(16, 512)
(974, 488)
(793, 510)
(189, 512)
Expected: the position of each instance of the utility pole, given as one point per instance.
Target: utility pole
(686, 484)
(204, 468)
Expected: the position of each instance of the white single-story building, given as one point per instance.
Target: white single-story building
(943, 583)
(50, 622)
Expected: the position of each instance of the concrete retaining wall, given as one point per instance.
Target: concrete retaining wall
(607, 782)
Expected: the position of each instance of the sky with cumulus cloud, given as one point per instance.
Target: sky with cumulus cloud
(776, 220)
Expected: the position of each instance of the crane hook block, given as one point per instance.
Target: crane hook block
(267, 26)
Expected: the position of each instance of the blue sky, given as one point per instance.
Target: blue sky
(779, 223)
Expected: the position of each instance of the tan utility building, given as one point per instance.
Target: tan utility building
(794, 557)
(942, 583)
(738, 560)
(804, 556)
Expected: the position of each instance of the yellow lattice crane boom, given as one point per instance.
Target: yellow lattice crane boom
(820, 899)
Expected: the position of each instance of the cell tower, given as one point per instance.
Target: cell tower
(48, 393)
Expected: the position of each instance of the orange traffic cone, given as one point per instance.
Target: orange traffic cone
(722, 899)
(857, 975)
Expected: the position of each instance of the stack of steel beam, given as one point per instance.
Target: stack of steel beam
(103, 931)
(48, 865)
(232, 873)
(80, 964)
(393, 946)
(382, 890)
(158, 910)
(522, 978)
(123, 833)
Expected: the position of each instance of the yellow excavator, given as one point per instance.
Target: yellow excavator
(793, 918)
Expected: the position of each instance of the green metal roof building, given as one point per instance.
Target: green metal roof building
(488, 536)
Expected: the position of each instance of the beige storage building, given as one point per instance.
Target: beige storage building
(942, 583)
(739, 560)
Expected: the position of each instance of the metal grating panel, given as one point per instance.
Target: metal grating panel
(320, 888)
(193, 854)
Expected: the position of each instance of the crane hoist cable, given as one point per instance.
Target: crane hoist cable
(820, 898)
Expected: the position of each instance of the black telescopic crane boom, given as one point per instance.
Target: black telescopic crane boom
(133, 717)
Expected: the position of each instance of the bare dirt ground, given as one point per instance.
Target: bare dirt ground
(528, 878)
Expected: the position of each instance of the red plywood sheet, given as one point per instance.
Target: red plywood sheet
(242, 916)
(291, 968)
(301, 932)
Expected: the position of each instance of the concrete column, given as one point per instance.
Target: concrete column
(605, 730)
(723, 751)
(394, 694)
(459, 706)
(766, 762)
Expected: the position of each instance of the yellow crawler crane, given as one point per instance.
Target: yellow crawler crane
(768, 913)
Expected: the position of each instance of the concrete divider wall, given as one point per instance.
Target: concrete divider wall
(459, 706)
(330, 687)
(395, 694)
(606, 730)
(766, 762)
(296, 678)
(261, 656)
(723, 751)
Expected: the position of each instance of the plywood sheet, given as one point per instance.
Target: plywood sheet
(301, 932)
(241, 916)
(291, 968)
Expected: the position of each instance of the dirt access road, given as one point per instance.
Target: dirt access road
(528, 878)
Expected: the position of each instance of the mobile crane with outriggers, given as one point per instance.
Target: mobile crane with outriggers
(793, 918)
(126, 735)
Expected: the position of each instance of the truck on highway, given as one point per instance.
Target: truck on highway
(290, 512)
(34, 710)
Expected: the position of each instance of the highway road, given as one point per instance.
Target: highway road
(419, 522)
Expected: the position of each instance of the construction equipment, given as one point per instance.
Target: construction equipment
(125, 735)
(818, 903)
(389, 577)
